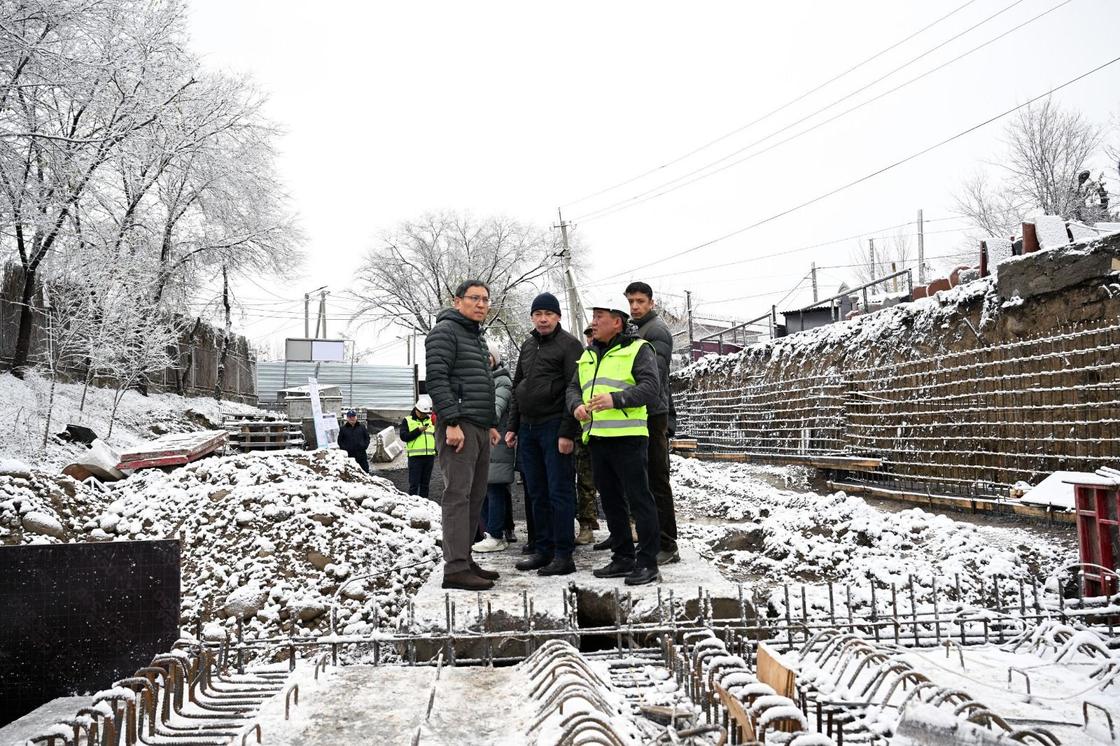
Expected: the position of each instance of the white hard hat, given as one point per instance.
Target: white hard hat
(606, 304)
(424, 404)
(495, 350)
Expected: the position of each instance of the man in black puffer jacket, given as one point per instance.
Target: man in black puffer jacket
(461, 387)
(662, 416)
(545, 434)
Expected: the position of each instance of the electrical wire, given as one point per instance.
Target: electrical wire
(784, 252)
(772, 112)
(874, 173)
(653, 193)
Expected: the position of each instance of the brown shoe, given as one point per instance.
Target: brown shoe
(484, 574)
(585, 535)
(466, 580)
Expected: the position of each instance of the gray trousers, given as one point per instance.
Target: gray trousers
(464, 477)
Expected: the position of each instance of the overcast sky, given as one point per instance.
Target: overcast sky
(394, 109)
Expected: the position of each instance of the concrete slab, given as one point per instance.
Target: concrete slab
(41, 719)
(387, 704)
(549, 600)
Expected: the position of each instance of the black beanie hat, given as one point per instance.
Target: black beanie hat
(546, 302)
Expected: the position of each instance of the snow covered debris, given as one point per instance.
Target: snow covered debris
(1051, 231)
(771, 535)
(267, 537)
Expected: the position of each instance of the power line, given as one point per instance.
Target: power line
(784, 252)
(672, 185)
(771, 113)
(877, 172)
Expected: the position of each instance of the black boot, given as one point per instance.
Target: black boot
(533, 562)
(558, 566)
(616, 569)
(643, 575)
(601, 545)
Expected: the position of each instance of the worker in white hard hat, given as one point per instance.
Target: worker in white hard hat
(616, 379)
(418, 431)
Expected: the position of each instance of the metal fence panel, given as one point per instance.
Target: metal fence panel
(369, 386)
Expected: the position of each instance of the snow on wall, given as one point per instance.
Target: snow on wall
(965, 388)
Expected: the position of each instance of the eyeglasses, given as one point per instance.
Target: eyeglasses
(480, 299)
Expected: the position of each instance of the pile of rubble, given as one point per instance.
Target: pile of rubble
(270, 538)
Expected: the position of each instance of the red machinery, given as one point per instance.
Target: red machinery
(1097, 501)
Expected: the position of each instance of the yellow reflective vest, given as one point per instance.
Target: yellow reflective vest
(423, 444)
(614, 371)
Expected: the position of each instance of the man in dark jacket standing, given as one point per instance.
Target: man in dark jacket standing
(545, 435)
(462, 392)
(616, 380)
(662, 416)
(354, 439)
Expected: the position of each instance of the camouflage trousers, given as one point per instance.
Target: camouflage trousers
(586, 512)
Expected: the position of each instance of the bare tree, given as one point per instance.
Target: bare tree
(413, 271)
(892, 253)
(990, 211)
(1046, 149)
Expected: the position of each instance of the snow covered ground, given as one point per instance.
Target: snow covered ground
(761, 524)
(23, 418)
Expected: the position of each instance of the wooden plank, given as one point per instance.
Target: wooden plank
(960, 504)
(147, 463)
(848, 463)
(736, 712)
(173, 450)
(199, 442)
(775, 673)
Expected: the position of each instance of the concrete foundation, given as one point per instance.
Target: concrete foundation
(521, 601)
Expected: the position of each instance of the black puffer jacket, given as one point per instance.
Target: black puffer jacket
(653, 329)
(544, 367)
(458, 371)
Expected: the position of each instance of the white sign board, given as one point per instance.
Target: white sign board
(298, 350)
(326, 425)
(328, 350)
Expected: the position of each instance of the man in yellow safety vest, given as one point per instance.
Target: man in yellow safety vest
(615, 381)
(418, 432)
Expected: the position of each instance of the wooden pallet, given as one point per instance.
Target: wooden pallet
(264, 435)
(174, 449)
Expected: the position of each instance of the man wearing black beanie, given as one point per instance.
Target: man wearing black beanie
(545, 432)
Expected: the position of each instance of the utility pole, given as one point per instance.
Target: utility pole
(688, 301)
(575, 308)
(814, 273)
(307, 313)
(921, 250)
(322, 314)
(874, 268)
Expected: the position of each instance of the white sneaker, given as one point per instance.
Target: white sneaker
(490, 544)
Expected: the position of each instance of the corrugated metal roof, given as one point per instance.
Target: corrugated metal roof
(370, 386)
